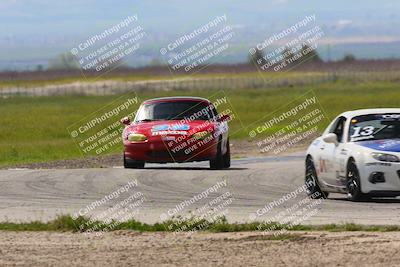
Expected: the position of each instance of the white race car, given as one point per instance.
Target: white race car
(358, 155)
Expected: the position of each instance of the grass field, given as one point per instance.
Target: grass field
(35, 129)
(83, 224)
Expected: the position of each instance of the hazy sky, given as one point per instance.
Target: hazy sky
(39, 29)
(48, 17)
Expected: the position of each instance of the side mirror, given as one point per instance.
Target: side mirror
(225, 117)
(125, 121)
(330, 138)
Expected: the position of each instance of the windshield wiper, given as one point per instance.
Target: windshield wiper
(377, 131)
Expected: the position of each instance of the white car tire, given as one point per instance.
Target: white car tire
(311, 181)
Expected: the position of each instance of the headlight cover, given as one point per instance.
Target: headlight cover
(135, 137)
(385, 157)
(201, 135)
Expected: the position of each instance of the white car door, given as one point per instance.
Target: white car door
(341, 156)
(331, 154)
(326, 169)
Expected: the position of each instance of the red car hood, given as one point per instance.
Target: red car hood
(169, 127)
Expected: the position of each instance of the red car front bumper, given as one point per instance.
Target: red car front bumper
(156, 150)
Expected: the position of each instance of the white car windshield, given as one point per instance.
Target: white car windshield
(374, 127)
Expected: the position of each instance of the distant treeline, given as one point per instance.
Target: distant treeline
(343, 65)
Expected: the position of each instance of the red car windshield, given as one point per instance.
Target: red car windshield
(175, 110)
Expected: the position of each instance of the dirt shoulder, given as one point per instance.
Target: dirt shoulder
(239, 149)
(128, 248)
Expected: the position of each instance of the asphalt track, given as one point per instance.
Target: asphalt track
(252, 183)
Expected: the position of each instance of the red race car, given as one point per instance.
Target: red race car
(176, 129)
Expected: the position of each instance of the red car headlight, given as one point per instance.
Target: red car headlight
(135, 137)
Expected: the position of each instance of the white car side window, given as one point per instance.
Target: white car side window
(338, 128)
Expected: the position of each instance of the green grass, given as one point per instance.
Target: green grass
(83, 224)
(34, 129)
